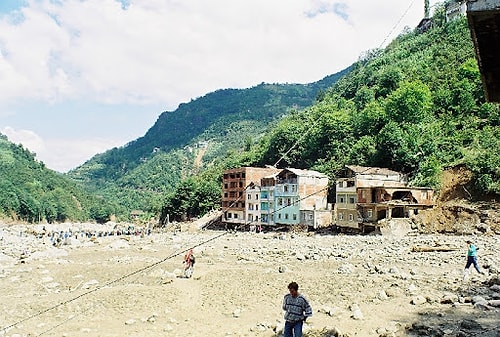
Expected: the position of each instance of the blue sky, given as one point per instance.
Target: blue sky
(78, 77)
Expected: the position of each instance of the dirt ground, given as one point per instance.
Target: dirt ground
(129, 286)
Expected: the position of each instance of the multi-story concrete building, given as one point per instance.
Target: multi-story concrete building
(300, 198)
(267, 185)
(235, 184)
(365, 195)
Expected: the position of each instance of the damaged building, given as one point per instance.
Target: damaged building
(367, 195)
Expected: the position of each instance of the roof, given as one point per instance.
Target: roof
(305, 173)
(372, 170)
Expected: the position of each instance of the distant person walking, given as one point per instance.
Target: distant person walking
(471, 258)
(189, 261)
(297, 309)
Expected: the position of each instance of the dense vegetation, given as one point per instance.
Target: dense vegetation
(416, 107)
(32, 193)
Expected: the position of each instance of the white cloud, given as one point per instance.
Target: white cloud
(171, 51)
(60, 154)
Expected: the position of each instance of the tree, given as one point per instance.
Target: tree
(411, 103)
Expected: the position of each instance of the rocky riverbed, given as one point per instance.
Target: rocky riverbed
(129, 285)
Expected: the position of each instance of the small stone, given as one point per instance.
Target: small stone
(382, 295)
(130, 321)
(236, 313)
(356, 312)
(418, 300)
(449, 299)
(494, 303)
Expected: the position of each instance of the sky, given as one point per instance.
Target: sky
(79, 77)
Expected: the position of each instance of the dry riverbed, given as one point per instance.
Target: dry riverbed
(357, 285)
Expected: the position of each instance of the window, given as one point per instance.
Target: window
(256, 197)
(250, 217)
(351, 217)
(226, 185)
(249, 196)
(240, 194)
(294, 216)
(350, 183)
(341, 199)
(279, 215)
(233, 184)
(288, 201)
(285, 188)
(229, 215)
(237, 175)
(256, 207)
(286, 216)
(250, 207)
(236, 215)
(280, 202)
(311, 217)
(225, 194)
(369, 213)
(352, 199)
(241, 184)
(341, 216)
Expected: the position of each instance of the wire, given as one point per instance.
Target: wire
(397, 24)
(4, 329)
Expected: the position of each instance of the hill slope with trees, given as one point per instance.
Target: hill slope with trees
(32, 193)
(417, 107)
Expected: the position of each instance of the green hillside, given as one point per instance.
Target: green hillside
(185, 142)
(32, 193)
(211, 117)
(417, 107)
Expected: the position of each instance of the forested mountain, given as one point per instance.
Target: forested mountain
(211, 117)
(186, 142)
(416, 107)
(30, 192)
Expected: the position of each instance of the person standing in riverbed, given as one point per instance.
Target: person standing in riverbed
(471, 258)
(297, 309)
(189, 261)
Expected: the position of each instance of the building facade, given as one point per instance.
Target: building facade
(366, 195)
(235, 185)
(300, 198)
(455, 10)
